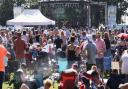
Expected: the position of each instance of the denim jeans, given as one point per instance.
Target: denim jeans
(1, 78)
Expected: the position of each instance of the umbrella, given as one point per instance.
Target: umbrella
(127, 37)
(122, 35)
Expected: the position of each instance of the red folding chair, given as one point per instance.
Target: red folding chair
(84, 77)
(67, 80)
(81, 85)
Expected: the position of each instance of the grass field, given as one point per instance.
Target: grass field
(6, 86)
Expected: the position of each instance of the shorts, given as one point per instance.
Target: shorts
(1, 77)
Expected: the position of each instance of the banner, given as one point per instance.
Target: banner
(112, 10)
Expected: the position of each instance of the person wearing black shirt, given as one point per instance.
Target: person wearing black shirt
(108, 44)
(37, 37)
(71, 52)
(58, 42)
(122, 30)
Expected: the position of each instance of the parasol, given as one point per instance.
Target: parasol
(122, 35)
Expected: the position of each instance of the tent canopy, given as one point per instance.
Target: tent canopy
(31, 17)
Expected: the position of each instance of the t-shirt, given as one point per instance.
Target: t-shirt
(49, 48)
(91, 52)
(58, 42)
(3, 53)
(37, 38)
(124, 59)
(107, 42)
(68, 33)
(19, 48)
(4, 40)
(25, 38)
(84, 38)
(101, 47)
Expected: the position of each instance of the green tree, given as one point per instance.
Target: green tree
(122, 5)
(6, 11)
(19, 2)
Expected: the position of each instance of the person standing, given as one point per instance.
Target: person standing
(101, 49)
(25, 37)
(63, 37)
(68, 33)
(108, 44)
(4, 38)
(37, 37)
(90, 52)
(71, 52)
(3, 54)
(124, 64)
(19, 49)
(83, 36)
(107, 58)
(58, 42)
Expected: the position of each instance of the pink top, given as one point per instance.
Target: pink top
(101, 47)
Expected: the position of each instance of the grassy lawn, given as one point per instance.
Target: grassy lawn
(6, 86)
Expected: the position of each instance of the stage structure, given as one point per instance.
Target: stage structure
(79, 13)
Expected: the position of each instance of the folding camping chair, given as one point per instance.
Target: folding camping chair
(116, 65)
(67, 80)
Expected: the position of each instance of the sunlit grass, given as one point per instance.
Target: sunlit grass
(6, 86)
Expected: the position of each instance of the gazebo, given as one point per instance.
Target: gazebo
(31, 17)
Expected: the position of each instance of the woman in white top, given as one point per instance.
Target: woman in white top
(124, 62)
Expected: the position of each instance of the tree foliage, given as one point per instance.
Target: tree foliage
(19, 2)
(6, 11)
(122, 5)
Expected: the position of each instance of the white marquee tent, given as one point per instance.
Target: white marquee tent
(31, 17)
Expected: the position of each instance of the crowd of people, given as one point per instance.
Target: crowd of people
(86, 51)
